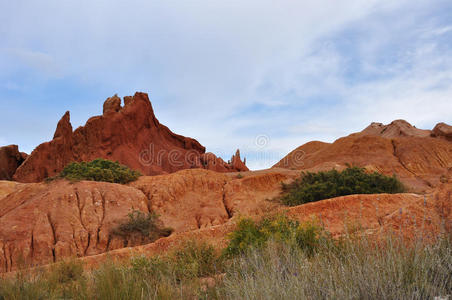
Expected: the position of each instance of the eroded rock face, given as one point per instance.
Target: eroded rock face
(397, 128)
(442, 130)
(131, 135)
(419, 160)
(193, 199)
(10, 160)
(41, 223)
(408, 215)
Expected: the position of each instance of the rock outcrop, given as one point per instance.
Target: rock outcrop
(40, 223)
(418, 159)
(131, 135)
(397, 128)
(10, 160)
(442, 130)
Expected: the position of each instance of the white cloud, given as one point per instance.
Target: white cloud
(225, 72)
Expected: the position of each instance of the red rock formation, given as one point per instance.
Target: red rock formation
(419, 160)
(131, 135)
(442, 130)
(10, 160)
(397, 128)
(40, 223)
(409, 215)
(44, 222)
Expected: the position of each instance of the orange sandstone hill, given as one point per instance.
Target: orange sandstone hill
(420, 158)
(42, 223)
(129, 134)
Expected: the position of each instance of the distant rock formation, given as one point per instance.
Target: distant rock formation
(397, 128)
(419, 160)
(10, 160)
(129, 134)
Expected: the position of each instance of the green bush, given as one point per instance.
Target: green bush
(310, 187)
(195, 259)
(250, 234)
(143, 225)
(99, 170)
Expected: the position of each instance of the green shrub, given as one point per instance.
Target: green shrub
(250, 234)
(310, 187)
(142, 225)
(195, 259)
(99, 170)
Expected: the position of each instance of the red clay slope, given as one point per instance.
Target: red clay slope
(131, 135)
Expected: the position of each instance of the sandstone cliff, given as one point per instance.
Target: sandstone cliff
(129, 134)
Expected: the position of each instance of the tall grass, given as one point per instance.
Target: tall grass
(355, 270)
(352, 268)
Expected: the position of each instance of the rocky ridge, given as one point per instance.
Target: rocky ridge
(419, 157)
(129, 134)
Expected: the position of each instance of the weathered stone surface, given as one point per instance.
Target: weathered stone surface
(112, 104)
(397, 128)
(442, 130)
(408, 215)
(41, 223)
(131, 135)
(10, 160)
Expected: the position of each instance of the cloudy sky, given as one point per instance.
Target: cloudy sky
(263, 76)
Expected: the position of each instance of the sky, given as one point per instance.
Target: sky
(263, 76)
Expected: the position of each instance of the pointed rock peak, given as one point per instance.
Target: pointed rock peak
(112, 104)
(237, 153)
(237, 163)
(64, 127)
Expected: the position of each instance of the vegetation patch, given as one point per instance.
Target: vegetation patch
(99, 170)
(311, 187)
(144, 227)
(251, 235)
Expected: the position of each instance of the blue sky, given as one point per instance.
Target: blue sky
(263, 76)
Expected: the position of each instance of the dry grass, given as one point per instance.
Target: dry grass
(354, 268)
